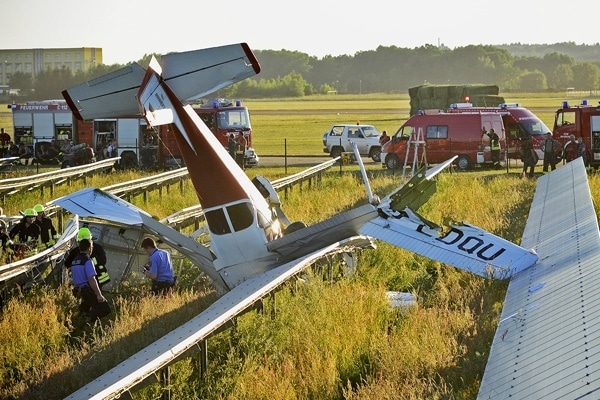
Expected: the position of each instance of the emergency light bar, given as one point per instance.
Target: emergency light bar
(461, 105)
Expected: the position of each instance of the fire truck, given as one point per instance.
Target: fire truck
(224, 118)
(41, 125)
(42, 121)
(583, 121)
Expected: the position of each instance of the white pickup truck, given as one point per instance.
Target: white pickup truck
(339, 138)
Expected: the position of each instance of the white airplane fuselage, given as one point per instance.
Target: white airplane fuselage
(240, 220)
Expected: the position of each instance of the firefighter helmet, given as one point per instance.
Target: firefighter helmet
(39, 208)
(30, 212)
(84, 233)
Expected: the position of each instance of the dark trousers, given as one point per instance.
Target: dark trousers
(162, 287)
(549, 160)
(89, 303)
(495, 158)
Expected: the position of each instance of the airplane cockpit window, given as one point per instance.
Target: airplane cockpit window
(241, 215)
(217, 222)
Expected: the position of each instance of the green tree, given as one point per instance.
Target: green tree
(533, 81)
(562, 77)
(586, 76)
(22, 82)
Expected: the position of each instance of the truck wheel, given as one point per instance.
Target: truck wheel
(336, 152)
(392, 162)
(375, 154)
(463, 163)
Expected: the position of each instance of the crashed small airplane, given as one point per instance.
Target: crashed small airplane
(254, 248)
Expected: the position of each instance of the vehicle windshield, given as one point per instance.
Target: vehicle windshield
(233, 119)
(404, 132)
(535, 127)
(370, 131)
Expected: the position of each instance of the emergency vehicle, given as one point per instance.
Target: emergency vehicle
(437, 136)
(41, 122)
(519, 122)
(223, 118)
(583, 121)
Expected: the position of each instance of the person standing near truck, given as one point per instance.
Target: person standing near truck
(241, 150)
(528, 157)
(4, 142)
(551, 149)
(570, 149)
(494, 146)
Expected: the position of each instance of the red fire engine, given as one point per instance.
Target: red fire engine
(224, 118)
(583, 121)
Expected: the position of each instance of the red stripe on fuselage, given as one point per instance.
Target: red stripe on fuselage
(213, 180)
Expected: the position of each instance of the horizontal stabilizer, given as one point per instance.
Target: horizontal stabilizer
(190, 75)
(415, 192)
(465, 247)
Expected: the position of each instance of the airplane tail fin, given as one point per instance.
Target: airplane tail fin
(190, 75)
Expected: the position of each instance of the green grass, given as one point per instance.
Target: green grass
(327, 340)
(296, 125)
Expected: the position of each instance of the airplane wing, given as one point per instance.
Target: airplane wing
(464, 246)
(26, 265)
(164, 351)
(96, 203)
(546, 343)
(190, 75)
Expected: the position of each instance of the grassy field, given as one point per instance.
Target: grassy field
(296, 126)
(327, 339)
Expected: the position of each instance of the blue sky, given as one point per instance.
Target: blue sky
(128, 29)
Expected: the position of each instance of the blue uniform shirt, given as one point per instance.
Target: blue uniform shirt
(161, 266)
(81, 269)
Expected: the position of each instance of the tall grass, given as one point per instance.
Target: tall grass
(315, 338)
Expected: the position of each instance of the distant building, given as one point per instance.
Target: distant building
(33, 61)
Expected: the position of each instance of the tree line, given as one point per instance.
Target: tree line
(387, 69)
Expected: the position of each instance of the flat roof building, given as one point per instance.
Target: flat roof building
(33, 61)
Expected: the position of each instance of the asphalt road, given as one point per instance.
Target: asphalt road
(298, 161)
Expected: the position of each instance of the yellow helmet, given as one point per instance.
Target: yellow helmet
(30, 212)
(84, 233)
(38, 208)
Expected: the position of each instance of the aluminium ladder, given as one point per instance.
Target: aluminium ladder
(416, 140)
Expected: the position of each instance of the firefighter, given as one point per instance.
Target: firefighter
(26, 234)
(48, 233)
(4, 142)
(4, 239)
(26, 230)
(85, 281)
(494, 146)
(241, 150)
(98, 256)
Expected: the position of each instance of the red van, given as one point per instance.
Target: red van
(444, 135)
